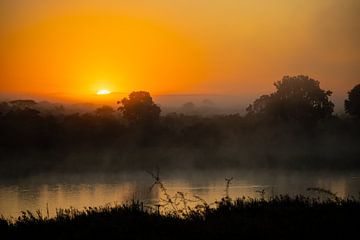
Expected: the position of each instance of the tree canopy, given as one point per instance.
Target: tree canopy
(104, 111)
(352, 104)
(139, 108)
(296, 98)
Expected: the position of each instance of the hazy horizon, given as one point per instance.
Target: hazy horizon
(224, 103)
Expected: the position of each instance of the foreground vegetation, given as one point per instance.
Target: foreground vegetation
(280, 217)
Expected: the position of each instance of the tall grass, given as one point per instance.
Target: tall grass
(279, 216)
(176, 217)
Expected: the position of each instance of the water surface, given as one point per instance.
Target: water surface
(64, 191)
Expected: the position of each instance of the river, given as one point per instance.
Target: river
(50, 192)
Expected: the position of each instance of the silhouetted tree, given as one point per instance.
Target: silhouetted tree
(352, 104)
(104, 111)
(22, 104)
(139, 108)
(297, 98)
(4, 108)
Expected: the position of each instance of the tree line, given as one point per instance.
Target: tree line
(293, 127)
(297, 98)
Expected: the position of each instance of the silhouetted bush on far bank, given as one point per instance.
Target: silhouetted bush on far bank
(297, 98)
(352, 104)
(139, 108)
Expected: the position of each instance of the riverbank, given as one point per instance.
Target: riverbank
(280, 217)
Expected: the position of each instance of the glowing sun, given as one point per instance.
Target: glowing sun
(103, 92)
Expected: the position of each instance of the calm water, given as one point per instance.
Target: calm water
(95, 190)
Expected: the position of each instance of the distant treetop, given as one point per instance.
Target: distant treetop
(352, 104)
(139, 108)
(296, 98)
(26, 103)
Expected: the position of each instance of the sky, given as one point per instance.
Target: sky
(70, 49)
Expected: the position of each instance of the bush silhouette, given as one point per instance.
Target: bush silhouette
(139, 108)
(104, 111)
(352, 104)
(296, 98)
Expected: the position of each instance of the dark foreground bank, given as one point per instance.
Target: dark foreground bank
(279, 217)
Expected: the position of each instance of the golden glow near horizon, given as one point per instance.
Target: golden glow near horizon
(103, 92)
(62, 48)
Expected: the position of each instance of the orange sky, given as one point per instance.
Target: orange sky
(69, 49)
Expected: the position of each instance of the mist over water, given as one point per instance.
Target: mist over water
(284, 143)
(84, 190)
(174, 119)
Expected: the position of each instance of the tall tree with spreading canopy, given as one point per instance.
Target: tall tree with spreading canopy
(139, 108)
(296, 98)
(352, 104)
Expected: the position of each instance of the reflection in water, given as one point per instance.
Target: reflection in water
(93, 190)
